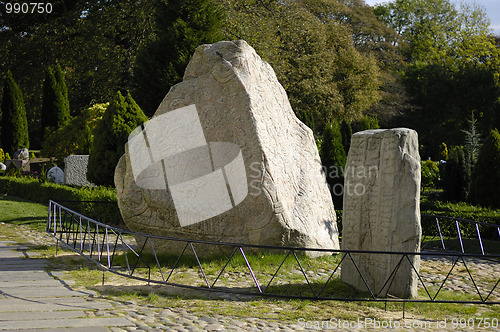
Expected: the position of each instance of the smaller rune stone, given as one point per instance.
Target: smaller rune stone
(56, 175)
(382, 211)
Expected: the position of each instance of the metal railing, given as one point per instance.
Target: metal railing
(455, 231)
(115, 250)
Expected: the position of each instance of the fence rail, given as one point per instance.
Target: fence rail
(457, 231)
(115, 250)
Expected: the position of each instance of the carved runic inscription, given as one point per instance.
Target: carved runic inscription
(381, 211)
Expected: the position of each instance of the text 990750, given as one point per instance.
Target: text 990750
(28, 8)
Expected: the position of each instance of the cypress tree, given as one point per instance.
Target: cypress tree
(55, 104)
(14, 125)
(346, 131)
(180, 27)
(456, 180)
(121, 117)
(486, 173)
(333, 159)
(63, 114)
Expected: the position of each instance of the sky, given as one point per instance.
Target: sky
(492, 9)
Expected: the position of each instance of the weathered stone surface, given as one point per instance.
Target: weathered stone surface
(22, 154)
(55, 175)
(18, 163)
(240, 101)
(3, 167)
(381, 210)
(75, 170)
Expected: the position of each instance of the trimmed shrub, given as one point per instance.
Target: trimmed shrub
(14, 125)
(430, 173)
(76, 137)
(486, 174)
(333, 159)
(121, 117)
(2, 156)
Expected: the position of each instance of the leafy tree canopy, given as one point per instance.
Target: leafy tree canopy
(95, 43)
(327, 70)
(454, 67)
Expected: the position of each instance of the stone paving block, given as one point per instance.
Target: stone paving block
(30, 292)
(21, 261)
(4, 316)
(65, 329)
(26, 306)
(4, 284)
(23, 267)
(23, 275)
(71, 322)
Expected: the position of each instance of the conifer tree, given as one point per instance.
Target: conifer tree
(14, 125)
(456, 177)
(346, 131)
(333, 159)
(121, 117)
(55, 107)
(486, 173)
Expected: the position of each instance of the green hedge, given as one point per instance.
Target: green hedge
(41, 192)
(459, 210)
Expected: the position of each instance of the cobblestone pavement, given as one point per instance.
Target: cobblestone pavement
(143, 317)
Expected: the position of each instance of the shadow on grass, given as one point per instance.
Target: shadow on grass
(26, 220)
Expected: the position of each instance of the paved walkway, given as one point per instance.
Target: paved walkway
(33, 299)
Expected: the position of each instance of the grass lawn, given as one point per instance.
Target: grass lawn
(17, 211)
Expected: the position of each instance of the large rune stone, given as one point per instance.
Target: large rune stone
(381, 211)
(283, 199)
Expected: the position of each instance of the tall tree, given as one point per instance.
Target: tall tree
(94, 41)
(55, 103)
(486, 173)
(333, 159)
(180, 26)
(310, 45)
(121, 117)
(454, 67)
(346, 131)
(14, 127)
